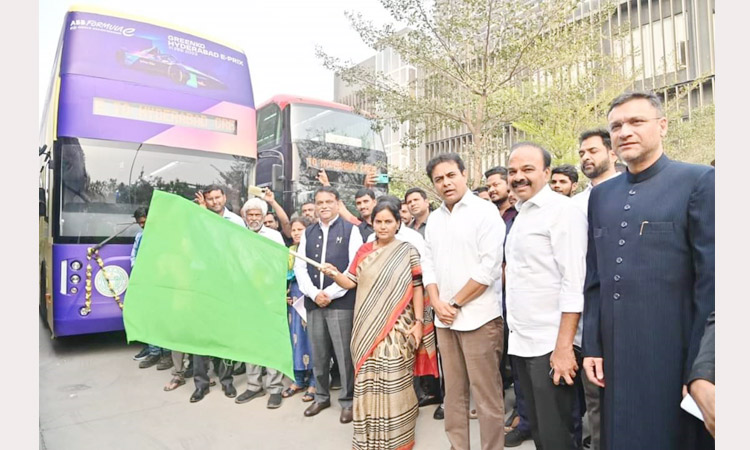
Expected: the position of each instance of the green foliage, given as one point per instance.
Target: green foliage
(692, 140)
(404, 179)
(480, 62)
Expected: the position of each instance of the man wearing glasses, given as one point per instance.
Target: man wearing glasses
(649, 283)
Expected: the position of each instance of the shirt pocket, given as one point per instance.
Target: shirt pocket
(657, 228)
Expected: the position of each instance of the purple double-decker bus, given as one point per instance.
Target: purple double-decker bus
(132, 107)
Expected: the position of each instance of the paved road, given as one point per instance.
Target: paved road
(92, 395)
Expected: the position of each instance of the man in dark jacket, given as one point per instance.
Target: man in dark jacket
(330, 308)
(649, 283)
(702, 383)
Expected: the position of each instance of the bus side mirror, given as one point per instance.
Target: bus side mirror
(277, 178)
(42, 203)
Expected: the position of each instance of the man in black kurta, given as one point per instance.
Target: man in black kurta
(649, 284)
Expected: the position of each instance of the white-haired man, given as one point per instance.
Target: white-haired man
(253, 211)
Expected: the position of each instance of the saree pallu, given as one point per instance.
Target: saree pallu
(385, 405)
(426, 362)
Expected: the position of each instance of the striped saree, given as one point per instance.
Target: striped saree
(385, 404)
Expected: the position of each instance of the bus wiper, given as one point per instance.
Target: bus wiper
(104, 242)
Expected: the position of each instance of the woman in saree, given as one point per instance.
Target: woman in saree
(387, 330)
(301, 349)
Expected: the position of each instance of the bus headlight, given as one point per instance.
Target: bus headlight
(76, 265)
(75, 279)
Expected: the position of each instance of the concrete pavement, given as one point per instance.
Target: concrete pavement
(92, 395)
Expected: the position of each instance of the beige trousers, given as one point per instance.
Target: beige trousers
(471, 369)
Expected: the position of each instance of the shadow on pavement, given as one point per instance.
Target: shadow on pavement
(85, 343)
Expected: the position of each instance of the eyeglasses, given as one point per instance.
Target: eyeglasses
(635, 122)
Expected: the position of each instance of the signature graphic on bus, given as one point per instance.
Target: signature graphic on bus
(154, 61)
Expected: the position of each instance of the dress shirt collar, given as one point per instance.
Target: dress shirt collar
(590, 186)
(655, 168)
(539, 199)
(465, 200)
(322, 225)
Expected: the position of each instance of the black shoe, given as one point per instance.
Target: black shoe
(516, 437)
(240, 370)
(427, 400)
(151, 360)
(346, 415)
(142, 354)
(315, 408)
(165, 362)
(587, 442)
(198, 395)
(439, 413)
(249, 395)
(274, 401)
(230, 391)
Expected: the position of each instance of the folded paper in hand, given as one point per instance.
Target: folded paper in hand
(299, 305)
(689, 405)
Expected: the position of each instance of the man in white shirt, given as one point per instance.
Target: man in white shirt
(463, 255)
(546, 265)
(214, 199)
(598, 164)
(254, 210)
(330, 308)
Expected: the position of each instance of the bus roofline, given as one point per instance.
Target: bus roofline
(285, 99)
(108, 12)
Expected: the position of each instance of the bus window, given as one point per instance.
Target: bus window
(102, 182)
(269, 126)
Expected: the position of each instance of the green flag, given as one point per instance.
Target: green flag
(206, 286)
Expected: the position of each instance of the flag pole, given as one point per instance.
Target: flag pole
(315, 264)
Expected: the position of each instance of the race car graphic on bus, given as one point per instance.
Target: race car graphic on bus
(155, 61)
(113, 133)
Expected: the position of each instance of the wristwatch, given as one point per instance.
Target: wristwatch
(453, 303)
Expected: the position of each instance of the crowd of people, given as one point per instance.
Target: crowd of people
(587, 304)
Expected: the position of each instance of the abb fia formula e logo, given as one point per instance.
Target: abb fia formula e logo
(83, 24)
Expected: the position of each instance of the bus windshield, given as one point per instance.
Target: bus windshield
(326, 125)
(342, 143)
(101, 183)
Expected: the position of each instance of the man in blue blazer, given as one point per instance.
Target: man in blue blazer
(649, 283)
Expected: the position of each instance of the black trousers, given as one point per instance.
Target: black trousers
(200, 371)
(505, 370)
(551, 409)
(428, 384)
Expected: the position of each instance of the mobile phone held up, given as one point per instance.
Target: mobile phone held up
(312, 172)
(382, 178)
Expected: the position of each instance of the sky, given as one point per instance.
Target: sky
(278, 36)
